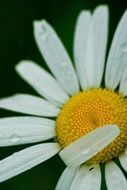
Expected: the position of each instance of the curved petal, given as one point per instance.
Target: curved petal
(22, 130)
(123, 160)
(117, 58)
(55, 56)
(29, 104)
(90, 46)
(42, 82)
(114, 177)
(80, 46)
(26, 159)
(89, 145)
(87, 178)
(66, 179)
(100, 28)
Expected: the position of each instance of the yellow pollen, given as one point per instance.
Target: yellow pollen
(89, 110)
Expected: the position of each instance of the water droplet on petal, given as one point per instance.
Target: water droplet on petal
(86, 152)
(44, 34)
(43, 29)
(15, 154)
(15, 138)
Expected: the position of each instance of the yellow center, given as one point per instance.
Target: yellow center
(89, 110)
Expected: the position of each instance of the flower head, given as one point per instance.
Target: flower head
(90, 116)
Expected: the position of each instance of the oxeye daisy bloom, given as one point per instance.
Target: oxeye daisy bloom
(85, 117)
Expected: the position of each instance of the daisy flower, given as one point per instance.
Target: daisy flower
(82, 108)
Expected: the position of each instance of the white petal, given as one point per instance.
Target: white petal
(100, 31)
(89, 145)
(96, 47)
(87, 178)
(114, 177)
(29, 104)
(55, 56)
(26, 159)
(66, 179)
(123, 82)
(80, 45)
(117, 58)
(21, 130)
(123, 160)
(90, 46)
(42, 82)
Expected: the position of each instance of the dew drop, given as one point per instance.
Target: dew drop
(44, 34)
(86, 152)
(15, 154)
(43, 29)
(15, 138)
(28, 167)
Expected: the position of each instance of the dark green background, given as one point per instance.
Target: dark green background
(17, 43)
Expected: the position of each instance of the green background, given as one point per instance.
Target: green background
(17, 43)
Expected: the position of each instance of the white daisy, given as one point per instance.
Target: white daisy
(91, 118)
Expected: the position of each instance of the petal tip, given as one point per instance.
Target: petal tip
(23, 63)
(84, 12)
(102, 7)
(39, 23)
(19, 65)
(116, 129)
(102, 10)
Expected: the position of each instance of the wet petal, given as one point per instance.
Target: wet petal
(55, 56)
(89, 145)
(90, 46)
(66, 179)
(100, 34)
(114, 177)
(80, 45)
(96, 41)
(22, 130)
(87, 178)
(117, 58)
(26, 159)
(29, 104)
(123, 160)
(42, 82)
